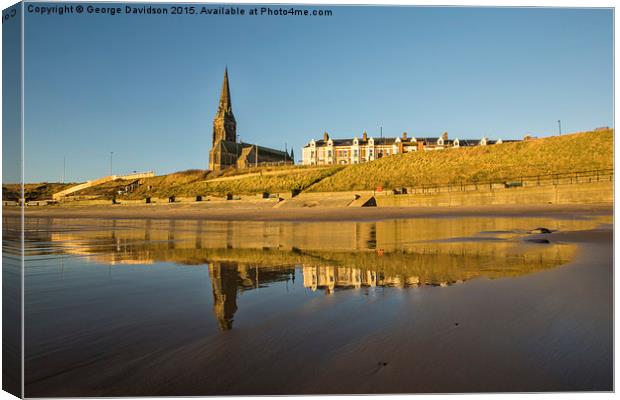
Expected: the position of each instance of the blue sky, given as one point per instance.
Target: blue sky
(147, 87)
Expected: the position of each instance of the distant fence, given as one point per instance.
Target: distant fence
(564, 178)
(137, 175)
(269, 164)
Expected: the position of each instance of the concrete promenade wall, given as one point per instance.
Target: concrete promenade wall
(82, 186)
(99, 181)
(586, 193)
(206, 200)
(581, 193)
(322, 199)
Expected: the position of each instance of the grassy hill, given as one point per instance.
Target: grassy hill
(293, 179)
(32, 191)
(569, 153)
(157, 186)
(200, 182)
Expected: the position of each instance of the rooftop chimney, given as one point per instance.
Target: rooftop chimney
(326, 136)
(365, 136)
(445, 136)
(404, 136)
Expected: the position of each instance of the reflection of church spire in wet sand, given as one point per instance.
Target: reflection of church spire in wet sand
(224, 282)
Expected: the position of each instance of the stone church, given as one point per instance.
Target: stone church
(226, 152)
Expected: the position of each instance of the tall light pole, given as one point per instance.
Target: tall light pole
(560, 127)
(237, 145)
(111, 154)
(64, 168)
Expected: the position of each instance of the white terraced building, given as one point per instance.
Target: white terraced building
(364, 149)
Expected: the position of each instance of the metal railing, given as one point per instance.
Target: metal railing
(563, 178)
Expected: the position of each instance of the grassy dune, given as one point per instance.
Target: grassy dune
(200, 182)
(157, 186)
(299, 179)
(568, 153)
(32, 191)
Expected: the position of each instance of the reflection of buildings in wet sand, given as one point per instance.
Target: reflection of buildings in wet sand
(228, 278)
(330, 278)
(243, 256)
(224, 285)
(129, 237)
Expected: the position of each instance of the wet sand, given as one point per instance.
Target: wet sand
(264, 212)
(548, 331)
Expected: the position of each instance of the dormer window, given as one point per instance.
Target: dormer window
(330, 142)
(440, 141)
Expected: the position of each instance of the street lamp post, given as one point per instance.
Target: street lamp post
(237, 146)
(111, 154)
(560, 127)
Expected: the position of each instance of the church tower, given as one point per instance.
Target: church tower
(225, 151)
(224, 124)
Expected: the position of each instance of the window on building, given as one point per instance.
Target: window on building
(354, 153)
(329, 153)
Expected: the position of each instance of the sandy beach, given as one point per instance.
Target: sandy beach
(264, 212)
(548, 331)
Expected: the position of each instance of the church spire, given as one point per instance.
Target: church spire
(224, 124)
(225, 103)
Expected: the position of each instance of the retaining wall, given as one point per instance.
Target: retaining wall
(586, 193)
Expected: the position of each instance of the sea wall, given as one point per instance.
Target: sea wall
(586, 193)
(322, 199)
